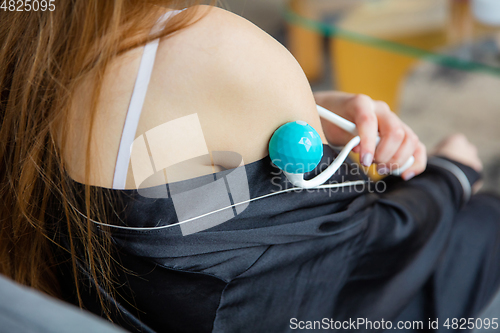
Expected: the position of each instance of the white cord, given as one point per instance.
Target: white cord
(345, 124)
(298, 179)
(325, 186)
(350, 127)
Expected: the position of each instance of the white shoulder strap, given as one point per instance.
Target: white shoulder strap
(136, 104)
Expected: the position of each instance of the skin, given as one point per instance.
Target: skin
(242, 84)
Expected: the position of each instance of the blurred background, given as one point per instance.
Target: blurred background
(435, 62)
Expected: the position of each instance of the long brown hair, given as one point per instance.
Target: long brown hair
(43, 57)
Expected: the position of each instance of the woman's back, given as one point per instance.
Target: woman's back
(240, 82)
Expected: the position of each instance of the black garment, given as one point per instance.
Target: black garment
(466, 277)
(312, 255)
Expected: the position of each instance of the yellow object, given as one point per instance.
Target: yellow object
(374, 71)
(306, 45)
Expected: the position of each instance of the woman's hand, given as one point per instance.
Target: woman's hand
(456, 147)
(397, 141)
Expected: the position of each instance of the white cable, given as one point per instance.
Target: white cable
(350, 127)
(345, 124)
(325, 186)
(298, 179)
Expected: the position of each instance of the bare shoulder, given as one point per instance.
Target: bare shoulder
(239, 82)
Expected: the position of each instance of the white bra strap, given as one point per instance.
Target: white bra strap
(136, 104)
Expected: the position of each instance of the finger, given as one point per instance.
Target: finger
(392, 133)
(477, 164)
(419, 165)
(477, 186)
(334, 101)
(361, 109)
(334, 134)
(406, 150)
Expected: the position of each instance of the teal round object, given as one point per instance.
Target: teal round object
(296, 147)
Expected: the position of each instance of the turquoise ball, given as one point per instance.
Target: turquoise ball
(296, 147)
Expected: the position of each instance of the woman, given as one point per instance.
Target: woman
(78, 89)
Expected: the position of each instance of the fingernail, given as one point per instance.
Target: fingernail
(367, 159)
(383, 170)
(409, 176)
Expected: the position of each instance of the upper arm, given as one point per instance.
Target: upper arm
(241, 82)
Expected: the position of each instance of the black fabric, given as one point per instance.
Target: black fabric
(122, 312)
(472, 175)
(467, 274)
(160, 295)
(471, 261)
(312, 254)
